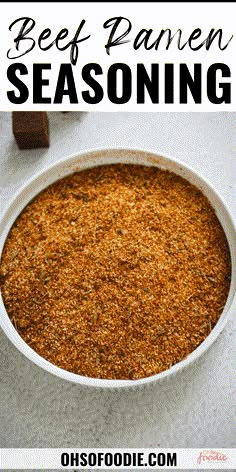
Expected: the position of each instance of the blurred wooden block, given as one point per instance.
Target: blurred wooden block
(30, 129)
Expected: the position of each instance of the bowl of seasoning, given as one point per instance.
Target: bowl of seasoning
(117, 267)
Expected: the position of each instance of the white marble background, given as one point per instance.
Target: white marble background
(196, 408)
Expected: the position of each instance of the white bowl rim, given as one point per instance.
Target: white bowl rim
(25, 349)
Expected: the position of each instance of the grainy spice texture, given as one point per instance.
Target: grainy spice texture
(116, 272)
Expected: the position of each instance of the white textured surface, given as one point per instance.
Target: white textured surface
(194, 409)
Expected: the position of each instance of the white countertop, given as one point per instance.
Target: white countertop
(195, 409)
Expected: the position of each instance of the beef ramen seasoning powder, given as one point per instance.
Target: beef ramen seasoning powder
(116, 272)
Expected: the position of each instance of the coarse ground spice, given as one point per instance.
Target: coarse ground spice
(116, 272)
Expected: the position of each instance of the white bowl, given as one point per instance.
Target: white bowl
(93, 158)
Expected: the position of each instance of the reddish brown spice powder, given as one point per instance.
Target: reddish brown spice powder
(116, 272)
